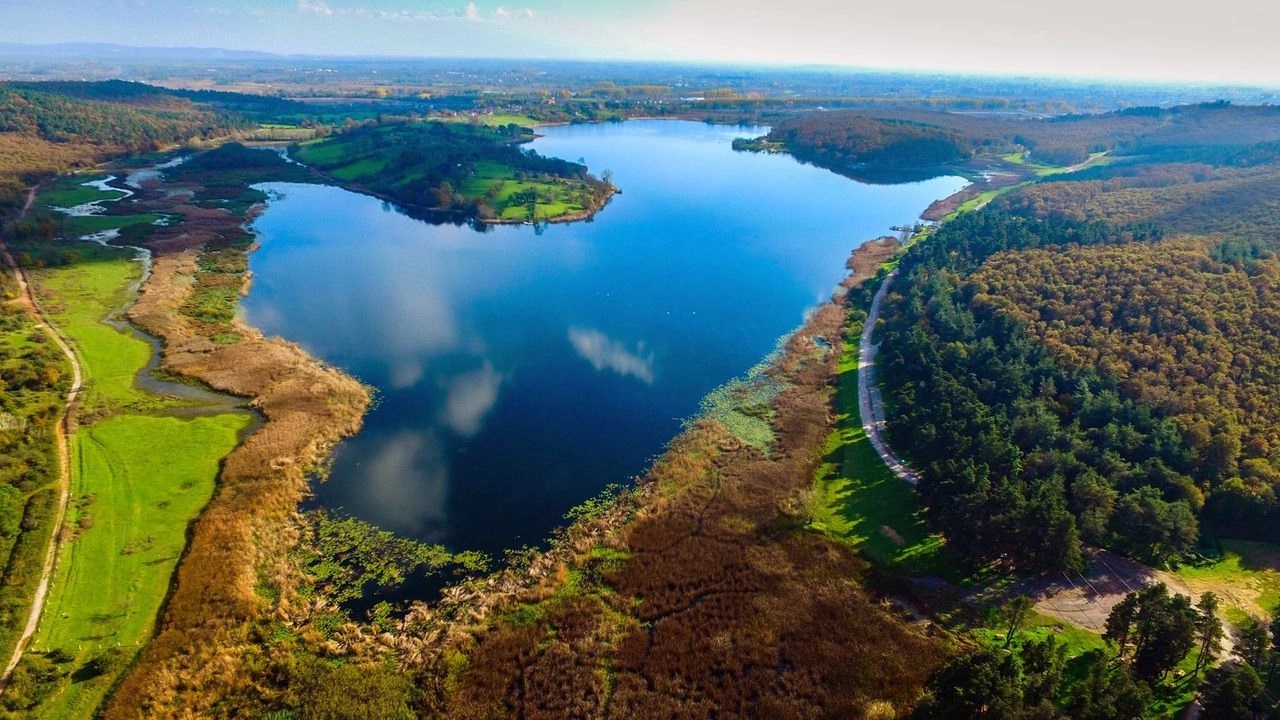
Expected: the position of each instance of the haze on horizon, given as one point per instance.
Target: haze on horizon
(1132, 39)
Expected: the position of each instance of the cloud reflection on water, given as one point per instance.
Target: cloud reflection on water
(606, 354)
(469, 398)
(407, 481)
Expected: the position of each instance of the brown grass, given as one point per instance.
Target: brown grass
(723, 604)
(199, 653)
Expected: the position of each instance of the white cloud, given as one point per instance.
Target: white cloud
(314, 7)
(469, 399)
(473, 12)
(605, 354)
(501, 12)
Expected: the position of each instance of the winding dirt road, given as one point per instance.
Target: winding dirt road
(62, 433)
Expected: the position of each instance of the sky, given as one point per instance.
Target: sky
(1231, 41)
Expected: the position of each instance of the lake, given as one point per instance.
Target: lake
(518, 372)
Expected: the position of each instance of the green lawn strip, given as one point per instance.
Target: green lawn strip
(323, 151)
(1245, 575)
(77, 297)
(494, 120)
(138, 482)
(72, 191)
(859, 500)
(364, 167)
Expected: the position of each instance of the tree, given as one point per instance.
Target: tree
(1110, 695)
(1274, 627)
(1252, 643)
(1042, 665)
(1120, 623)
(983, 685)
(1161, 626)
(1208, 630)
(1233, 692)
(1015, 613)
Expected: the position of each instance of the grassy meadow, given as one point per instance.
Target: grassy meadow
(139, 478)
(71, 191)
(77, 298)
(138, 481)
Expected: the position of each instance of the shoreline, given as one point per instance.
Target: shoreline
(306, 407)
(250, 516)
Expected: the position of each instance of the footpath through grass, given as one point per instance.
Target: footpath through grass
(139, 478)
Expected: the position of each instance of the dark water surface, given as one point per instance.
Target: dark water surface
(519, 373)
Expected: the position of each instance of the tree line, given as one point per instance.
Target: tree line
(1023, 457)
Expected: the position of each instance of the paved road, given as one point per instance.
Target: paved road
(28, 299)
(870, 405)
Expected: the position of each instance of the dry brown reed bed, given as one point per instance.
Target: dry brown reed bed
(709, 598)
(242, 538)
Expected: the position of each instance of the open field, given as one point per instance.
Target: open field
(551, 199)
(137, 483)
(71, 191)
(493, 120)
(88, 224)
(78, 297)
(1246, 576)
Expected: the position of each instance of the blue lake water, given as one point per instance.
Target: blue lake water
(519, 373)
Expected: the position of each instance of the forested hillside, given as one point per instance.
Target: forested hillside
(49, 128)
(1187, 328)
(1017, 450)
(841, 140)
(902, 137)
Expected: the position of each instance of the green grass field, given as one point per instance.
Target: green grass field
(364, 167)
(138, 482)
(70, 192)
(859, 500)
(77, 298)
(489, 175)
(320, 152)
(493, 120)
(1244, 574)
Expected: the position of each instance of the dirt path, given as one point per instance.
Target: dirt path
(62, 433)
(870, 404)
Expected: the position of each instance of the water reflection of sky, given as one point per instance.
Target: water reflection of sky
(519, 373)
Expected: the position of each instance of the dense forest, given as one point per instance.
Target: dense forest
(1187, 328)
(842, 140)
(1021, 455)
(901, 136)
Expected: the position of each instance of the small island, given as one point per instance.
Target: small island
(458, 171)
